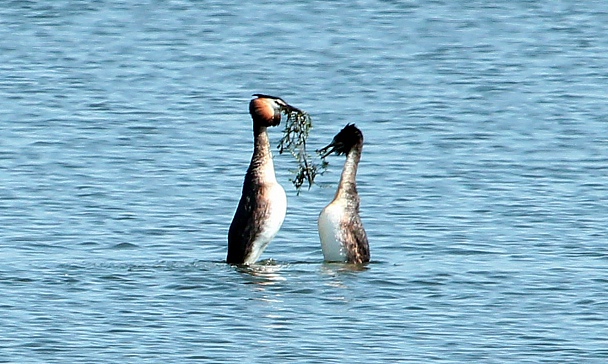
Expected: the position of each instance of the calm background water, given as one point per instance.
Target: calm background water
(125, 136)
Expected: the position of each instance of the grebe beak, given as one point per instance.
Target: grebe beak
(332, 147)
(283, 106)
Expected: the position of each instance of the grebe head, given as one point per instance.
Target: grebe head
(343, 141)
(266, 110)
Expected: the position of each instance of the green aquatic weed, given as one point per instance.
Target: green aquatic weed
(295, 134)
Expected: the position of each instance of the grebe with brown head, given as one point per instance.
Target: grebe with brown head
(343, 238)
(263, 204)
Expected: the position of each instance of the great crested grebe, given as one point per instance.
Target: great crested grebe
(343, 238)
(261, 210)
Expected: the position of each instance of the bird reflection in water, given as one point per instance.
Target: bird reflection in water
(263, 273)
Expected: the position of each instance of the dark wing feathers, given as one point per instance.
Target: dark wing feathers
(355, 241)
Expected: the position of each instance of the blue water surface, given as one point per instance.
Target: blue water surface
(125, 136)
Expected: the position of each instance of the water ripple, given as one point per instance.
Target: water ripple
(125, 138)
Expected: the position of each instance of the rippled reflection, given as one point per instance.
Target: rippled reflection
(334, 268)
(264, 273)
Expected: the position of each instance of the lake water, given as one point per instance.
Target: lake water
(125, 136)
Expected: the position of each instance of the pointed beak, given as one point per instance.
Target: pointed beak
(288, 108)
(329, 149)
(284, 106)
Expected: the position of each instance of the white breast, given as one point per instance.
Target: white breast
(330, 232)
(277, 208)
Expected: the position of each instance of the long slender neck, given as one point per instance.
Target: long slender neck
(348, 180)
(261, 168)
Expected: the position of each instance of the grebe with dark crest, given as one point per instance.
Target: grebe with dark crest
(263, 204)
(343, 238)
